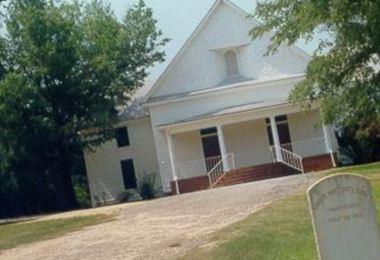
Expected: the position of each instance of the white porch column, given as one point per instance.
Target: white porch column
(223, 150)
(169, 140)
(328, 143)
(276, 139)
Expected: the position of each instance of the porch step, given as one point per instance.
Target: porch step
(257, 173)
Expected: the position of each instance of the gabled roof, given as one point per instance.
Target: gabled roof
(194, 34)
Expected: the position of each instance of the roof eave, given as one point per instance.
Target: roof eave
(226, 88)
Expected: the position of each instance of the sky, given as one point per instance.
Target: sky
(178, 18)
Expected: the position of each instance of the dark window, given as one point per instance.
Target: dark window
(284, 133)
(129, 177)
(210, 146)
(209, 131)
(122, 137)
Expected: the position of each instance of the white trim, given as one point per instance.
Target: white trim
(327, 138)
(169, 140)
(328, 143)
(227, 89)
(276, 139)
(223, 150)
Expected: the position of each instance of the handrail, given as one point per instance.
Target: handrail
(218, 171)
(215, 167)
(288, 158)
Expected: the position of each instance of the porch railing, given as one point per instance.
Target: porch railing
(220, 169)
(287, 157)
(196, 167)
(304, 148)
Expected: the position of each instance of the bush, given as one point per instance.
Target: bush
(146, 187)
(82, 193)
(359, 147)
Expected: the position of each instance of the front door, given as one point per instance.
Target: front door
(210, 145)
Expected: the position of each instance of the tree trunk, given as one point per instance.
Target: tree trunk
(62, 171)
(64, 190)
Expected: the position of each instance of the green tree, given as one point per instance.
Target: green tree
(343, 75)
(66, 68)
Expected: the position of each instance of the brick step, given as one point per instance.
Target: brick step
(255, 174)
(268, 171)
(223, 184)
(252, 177)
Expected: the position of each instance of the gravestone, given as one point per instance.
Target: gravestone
(344, 218)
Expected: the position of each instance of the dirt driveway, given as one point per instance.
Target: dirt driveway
(162, 228)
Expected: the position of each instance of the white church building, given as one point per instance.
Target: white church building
(218, 115)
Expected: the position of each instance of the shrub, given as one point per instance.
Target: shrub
(82, 193)
(146, 187)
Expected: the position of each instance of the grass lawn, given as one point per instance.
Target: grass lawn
(12, 235)
(283, 230)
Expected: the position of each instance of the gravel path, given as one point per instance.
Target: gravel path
(161, 228)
